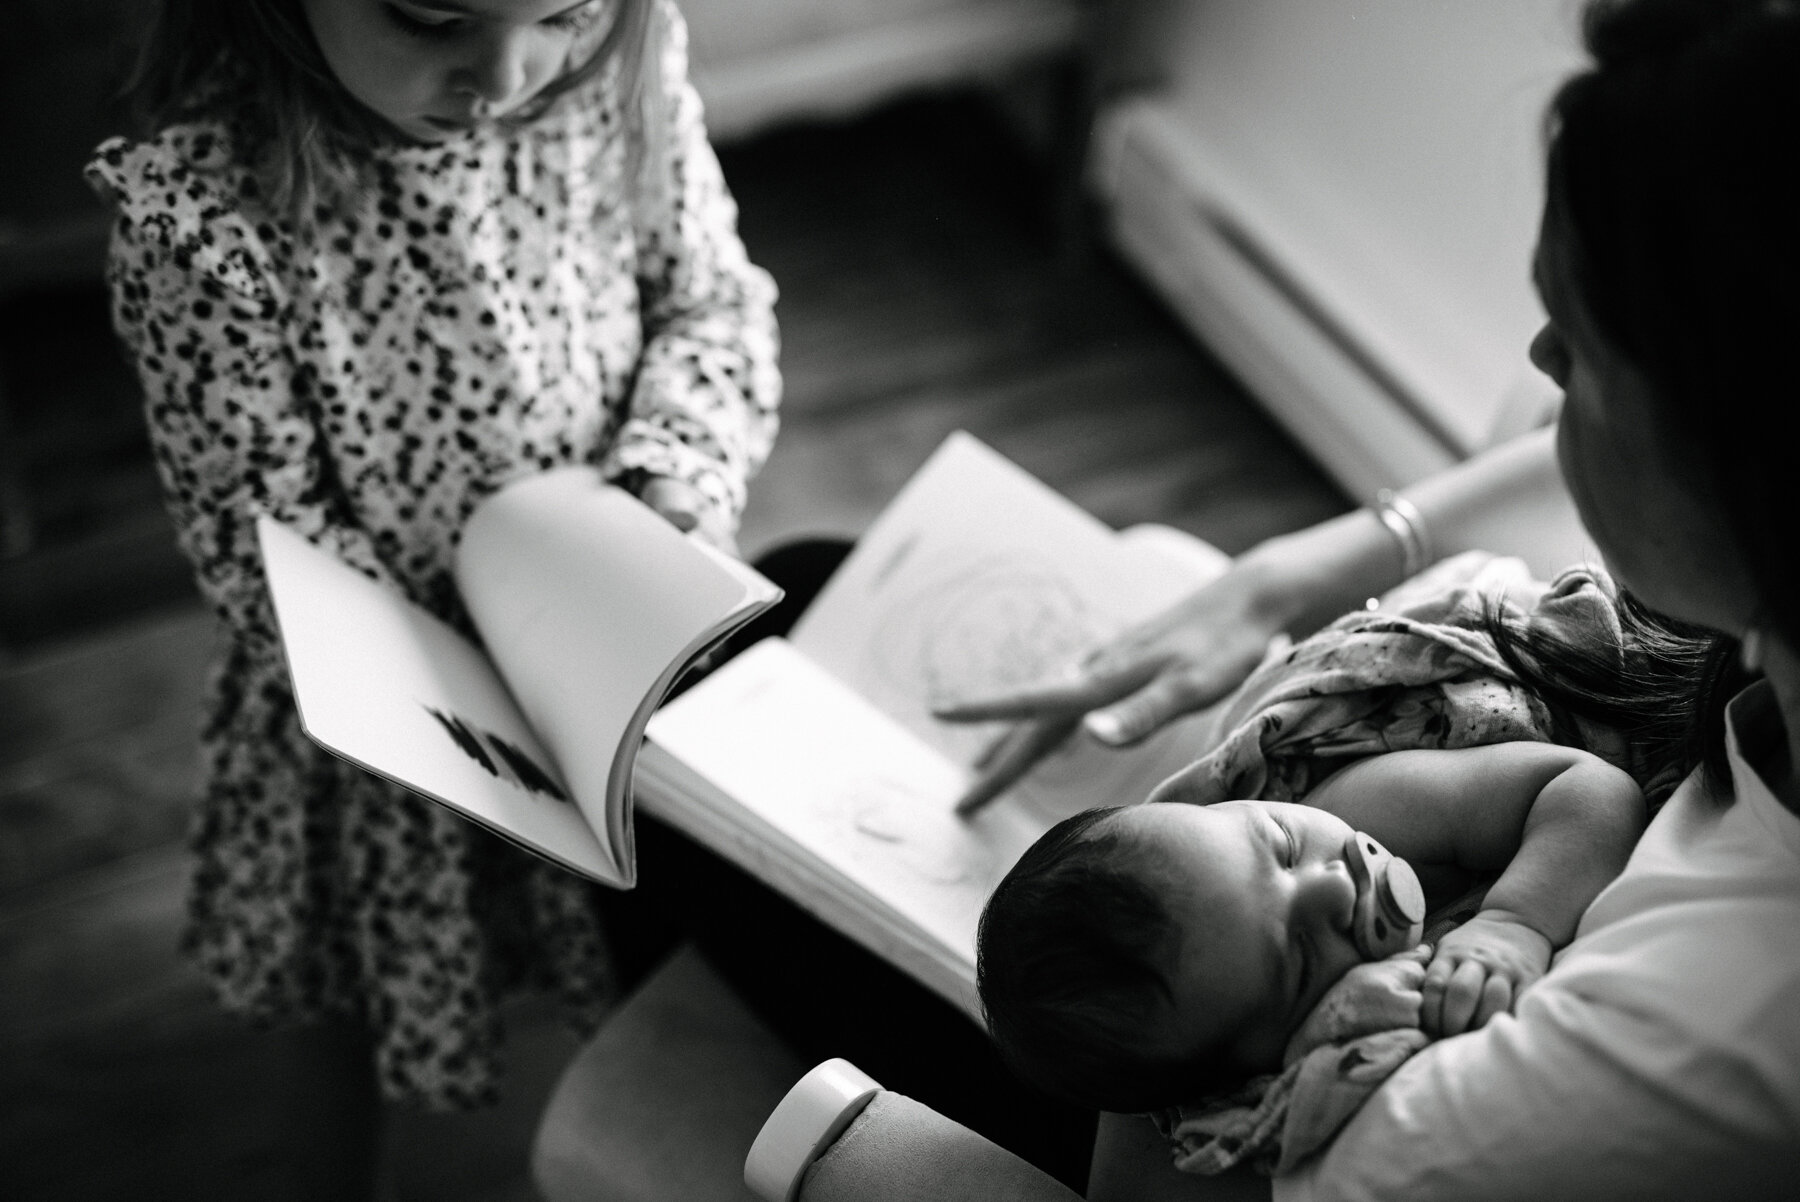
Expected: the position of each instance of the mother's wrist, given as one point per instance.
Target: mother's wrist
(1300, 581)
(1402, 519)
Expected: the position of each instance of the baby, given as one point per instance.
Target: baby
(1143, 957)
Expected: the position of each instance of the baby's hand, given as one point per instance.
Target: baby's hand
(1480, 969)
(689, 511)
(1378, 996)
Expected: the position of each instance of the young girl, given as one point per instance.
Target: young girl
(377, 258)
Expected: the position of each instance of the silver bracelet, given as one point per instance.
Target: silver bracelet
(1404, 521)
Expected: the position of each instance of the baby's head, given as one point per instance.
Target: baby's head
(1144, 956)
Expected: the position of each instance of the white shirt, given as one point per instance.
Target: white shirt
(1658, 1058)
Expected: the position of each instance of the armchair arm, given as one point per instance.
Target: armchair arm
(839, 1137)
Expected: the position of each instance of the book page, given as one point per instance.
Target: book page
(591, 605)
(978, 578)
(817, 766)
(394, 690)
(837, 805)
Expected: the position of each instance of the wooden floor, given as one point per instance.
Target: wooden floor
(921, 292)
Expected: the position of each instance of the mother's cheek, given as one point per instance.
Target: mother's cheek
(1569, 441)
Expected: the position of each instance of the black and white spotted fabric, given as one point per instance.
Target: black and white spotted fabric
(486, 308)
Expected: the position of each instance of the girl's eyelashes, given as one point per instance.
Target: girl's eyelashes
(579, 19)
(419, 24)
(426, 24)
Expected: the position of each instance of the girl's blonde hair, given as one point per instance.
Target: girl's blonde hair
(255, 66)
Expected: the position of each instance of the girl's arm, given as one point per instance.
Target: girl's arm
(203, 321)
(1556, 823)
(703, 409)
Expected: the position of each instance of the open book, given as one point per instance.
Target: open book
(590, 607)
(814, 761)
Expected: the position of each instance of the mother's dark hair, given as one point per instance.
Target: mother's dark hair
(1675, 170)
(1674, 184)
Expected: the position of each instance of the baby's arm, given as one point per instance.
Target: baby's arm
(1557, 824)
(703, 406)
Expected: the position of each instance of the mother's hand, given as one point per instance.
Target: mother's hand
(1182, 660)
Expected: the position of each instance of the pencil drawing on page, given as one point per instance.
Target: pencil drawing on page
(975, 627)
(890, 818)
(964, 627)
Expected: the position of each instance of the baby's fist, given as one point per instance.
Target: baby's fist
(1378, 996)
(1479, 971)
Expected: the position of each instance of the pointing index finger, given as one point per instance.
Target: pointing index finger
(1071, 695)
(1011, 758)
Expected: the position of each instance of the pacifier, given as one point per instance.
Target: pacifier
(1390, 905)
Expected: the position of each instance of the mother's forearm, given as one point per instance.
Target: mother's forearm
(1510, 500)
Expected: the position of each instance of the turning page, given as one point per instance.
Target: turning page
(592, 605)
(392, 689)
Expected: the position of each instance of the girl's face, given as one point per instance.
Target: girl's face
(1636, 490)
(435, 68)
(1265, 903)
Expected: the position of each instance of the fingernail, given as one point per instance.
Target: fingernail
(1105, 726)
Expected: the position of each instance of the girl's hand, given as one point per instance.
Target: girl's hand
(688, 510)
(1479, 971)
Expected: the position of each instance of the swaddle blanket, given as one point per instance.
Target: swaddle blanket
(1274, 1122)
(1420, 671)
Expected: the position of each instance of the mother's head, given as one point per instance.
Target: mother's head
(1670, 265)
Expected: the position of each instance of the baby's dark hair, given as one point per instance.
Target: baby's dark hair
(1662, 687)
(1069, 966)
